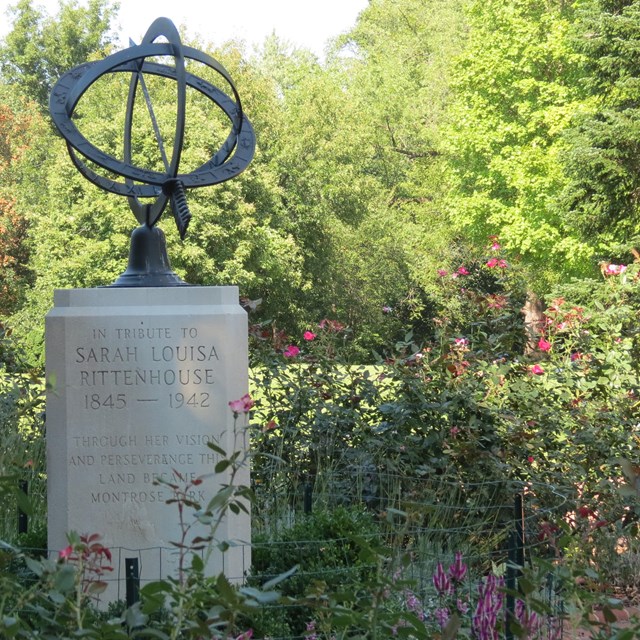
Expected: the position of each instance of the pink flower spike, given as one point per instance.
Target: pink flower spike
(495, 246)
(442, 272)
(462, 271)
(503, 264)
(309, 335)
(441, 580)
(493, 262)
(544, 345)
(291, 351)
(537, 370)
(458, 570)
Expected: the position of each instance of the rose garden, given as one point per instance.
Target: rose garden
(481, 485)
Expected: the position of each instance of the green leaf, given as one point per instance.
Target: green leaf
(222, 465)
(220, 499)
(526, 586)
(151, 633)
(65, 579)
(279, 578)
(216, 448)
(225, 588)
(24, 502)
(56, 597)
(35, 566)
(196, 563)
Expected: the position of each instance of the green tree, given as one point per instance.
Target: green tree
(360, 165)
(602, 148)
(516, 87)
(22, 132)
(39, 49)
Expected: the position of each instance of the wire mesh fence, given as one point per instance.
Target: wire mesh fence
(352, 535)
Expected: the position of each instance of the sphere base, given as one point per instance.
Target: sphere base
(148, 261)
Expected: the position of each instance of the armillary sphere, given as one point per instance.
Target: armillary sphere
(231, 159)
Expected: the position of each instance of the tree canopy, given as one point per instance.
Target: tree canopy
(432, 126)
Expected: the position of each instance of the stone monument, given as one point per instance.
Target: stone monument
(141, 372)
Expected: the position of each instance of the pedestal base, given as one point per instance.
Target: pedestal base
(140, 382)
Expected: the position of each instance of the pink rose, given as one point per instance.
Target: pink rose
(243, 405)
(544, 345)
(291, 351)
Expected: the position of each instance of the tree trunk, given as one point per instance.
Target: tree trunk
(533, 310)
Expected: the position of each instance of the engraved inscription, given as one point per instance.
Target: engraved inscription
(141, 376)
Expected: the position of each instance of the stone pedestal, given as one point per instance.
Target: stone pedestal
(140, 380)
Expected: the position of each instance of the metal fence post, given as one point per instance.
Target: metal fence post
(308, 492)
(23, 518)
(132, 580)
(515, 563)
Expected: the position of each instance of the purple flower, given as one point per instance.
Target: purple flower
(413, 604)
(442, 616)
(490, 600)
(458, 570)
(441, 580)
(529, 620)
(310, 633)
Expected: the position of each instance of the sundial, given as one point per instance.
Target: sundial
(149, 191)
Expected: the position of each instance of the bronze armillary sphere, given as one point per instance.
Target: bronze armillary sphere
(148, 262)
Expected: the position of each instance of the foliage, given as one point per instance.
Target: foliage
(360, 235)
(515, 88)
(20, 127)
(22, 464)
(463, 411)
(431, 442)
(600, 148)
(396, 157)
(325, 546)
(38, 50)
(322, 177)
(60, 597)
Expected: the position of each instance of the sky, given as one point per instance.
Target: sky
(306, 23)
